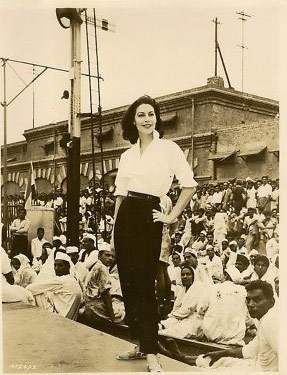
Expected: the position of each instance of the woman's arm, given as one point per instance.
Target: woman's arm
(183, 200)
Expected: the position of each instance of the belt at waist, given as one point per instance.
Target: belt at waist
(146, 197)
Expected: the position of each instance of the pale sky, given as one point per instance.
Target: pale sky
(159, 47)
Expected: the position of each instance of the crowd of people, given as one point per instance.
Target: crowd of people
(223, 243)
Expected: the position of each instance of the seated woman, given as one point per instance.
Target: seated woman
(224, 320)
(22, 271)
(185, 320)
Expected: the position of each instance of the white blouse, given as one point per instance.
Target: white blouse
(153, 171)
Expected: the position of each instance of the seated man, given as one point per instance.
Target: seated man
(88, 254)
(213, 263)
(100, 305)
(80, 271)
(60, 294)
(264, 271)
(260, 354)
(264, 347)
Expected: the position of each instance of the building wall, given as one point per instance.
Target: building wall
(201, 112)
(247, 137)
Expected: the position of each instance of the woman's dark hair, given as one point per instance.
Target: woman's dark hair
(130, 131)
(262, 258)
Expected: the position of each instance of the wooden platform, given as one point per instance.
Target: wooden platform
(36, 341)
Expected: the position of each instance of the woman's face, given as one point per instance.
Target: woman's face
(145, 119)
(15, 263)
(186, 277)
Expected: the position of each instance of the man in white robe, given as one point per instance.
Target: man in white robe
(60, 294)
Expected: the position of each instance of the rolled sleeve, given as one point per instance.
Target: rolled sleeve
(121, 180)
(181, 168)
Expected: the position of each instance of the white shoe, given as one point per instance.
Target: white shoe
(153, 364)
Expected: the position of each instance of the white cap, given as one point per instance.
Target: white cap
(190, 251)
(91, 236)
(57, 238)
(63, 238)
(72, 249)
(253, 252)
(224, 240)
(62, 256)
(203, 232)
(233, 243)
(104, 246)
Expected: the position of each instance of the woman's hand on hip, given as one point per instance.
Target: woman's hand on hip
(159, 216)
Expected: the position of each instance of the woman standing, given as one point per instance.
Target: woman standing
(145, 174)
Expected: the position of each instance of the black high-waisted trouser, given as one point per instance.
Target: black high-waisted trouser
(137, 244)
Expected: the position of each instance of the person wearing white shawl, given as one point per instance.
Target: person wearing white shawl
(60, 294)
(22, 271)
(10, 292)
(224, 320)
(185, 320)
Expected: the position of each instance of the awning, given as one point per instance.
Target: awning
(253, 152)
(222, 156)
(169, 118)
(275, 152)
(106, 133)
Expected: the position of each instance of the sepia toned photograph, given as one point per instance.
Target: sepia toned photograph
(140, 160)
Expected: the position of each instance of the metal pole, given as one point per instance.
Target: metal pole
(100, 120)
(224, 67)
(73, 175)
(215, 47)
(242, 55)
(54, 161)
(33, 98)
(5, 177)
(92, 130)
(192, 133)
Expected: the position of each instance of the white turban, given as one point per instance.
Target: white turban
(91, 236)
(57, 238)
(104, 246)
(62, 256)
(72, 249)
(63, 239)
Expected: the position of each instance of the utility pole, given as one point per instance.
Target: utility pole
(216, 22)
(73, 164)
(5, 177)
(243, 18)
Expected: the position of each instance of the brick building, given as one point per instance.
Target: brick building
(224, 134)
